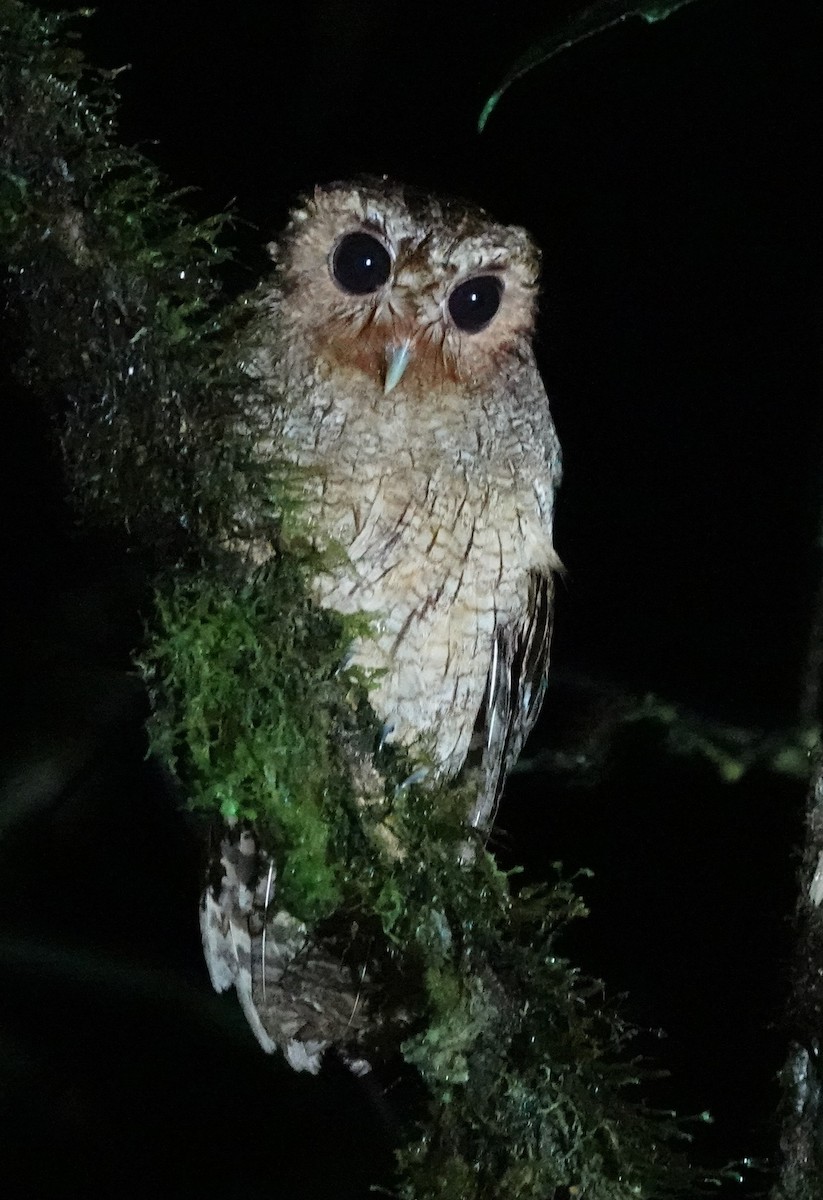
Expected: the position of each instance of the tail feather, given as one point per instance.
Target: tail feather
(295, 992)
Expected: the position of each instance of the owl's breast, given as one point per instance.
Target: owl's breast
(439, 560)
(439, 505)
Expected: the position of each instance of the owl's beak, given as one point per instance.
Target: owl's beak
(397, 359)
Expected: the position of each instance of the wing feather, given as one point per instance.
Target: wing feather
(514, 693)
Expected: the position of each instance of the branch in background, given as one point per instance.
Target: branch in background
(801, 1142)
(604, 715)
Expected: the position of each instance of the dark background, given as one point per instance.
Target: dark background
(670, 173)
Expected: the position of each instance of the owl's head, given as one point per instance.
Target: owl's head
(410, 291)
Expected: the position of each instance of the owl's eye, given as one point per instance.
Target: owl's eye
(360, 264)
(473, 304)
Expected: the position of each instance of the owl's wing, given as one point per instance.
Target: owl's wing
(515, 688)
(296, 993)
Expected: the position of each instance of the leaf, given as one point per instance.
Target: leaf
(597, 18)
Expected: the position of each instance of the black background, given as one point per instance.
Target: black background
(670, 173)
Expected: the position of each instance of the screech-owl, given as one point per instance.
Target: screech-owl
(395, 366)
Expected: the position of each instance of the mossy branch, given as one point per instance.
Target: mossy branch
(115, 297)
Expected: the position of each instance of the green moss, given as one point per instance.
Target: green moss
(115, 295)
(529, 1073)
(248, 708)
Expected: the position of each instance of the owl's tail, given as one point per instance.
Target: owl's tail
(296, 993)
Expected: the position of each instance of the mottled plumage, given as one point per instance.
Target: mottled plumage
(396, 369)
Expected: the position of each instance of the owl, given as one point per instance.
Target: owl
(395, 368)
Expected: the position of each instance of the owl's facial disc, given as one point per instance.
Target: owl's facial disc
(410, 305)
